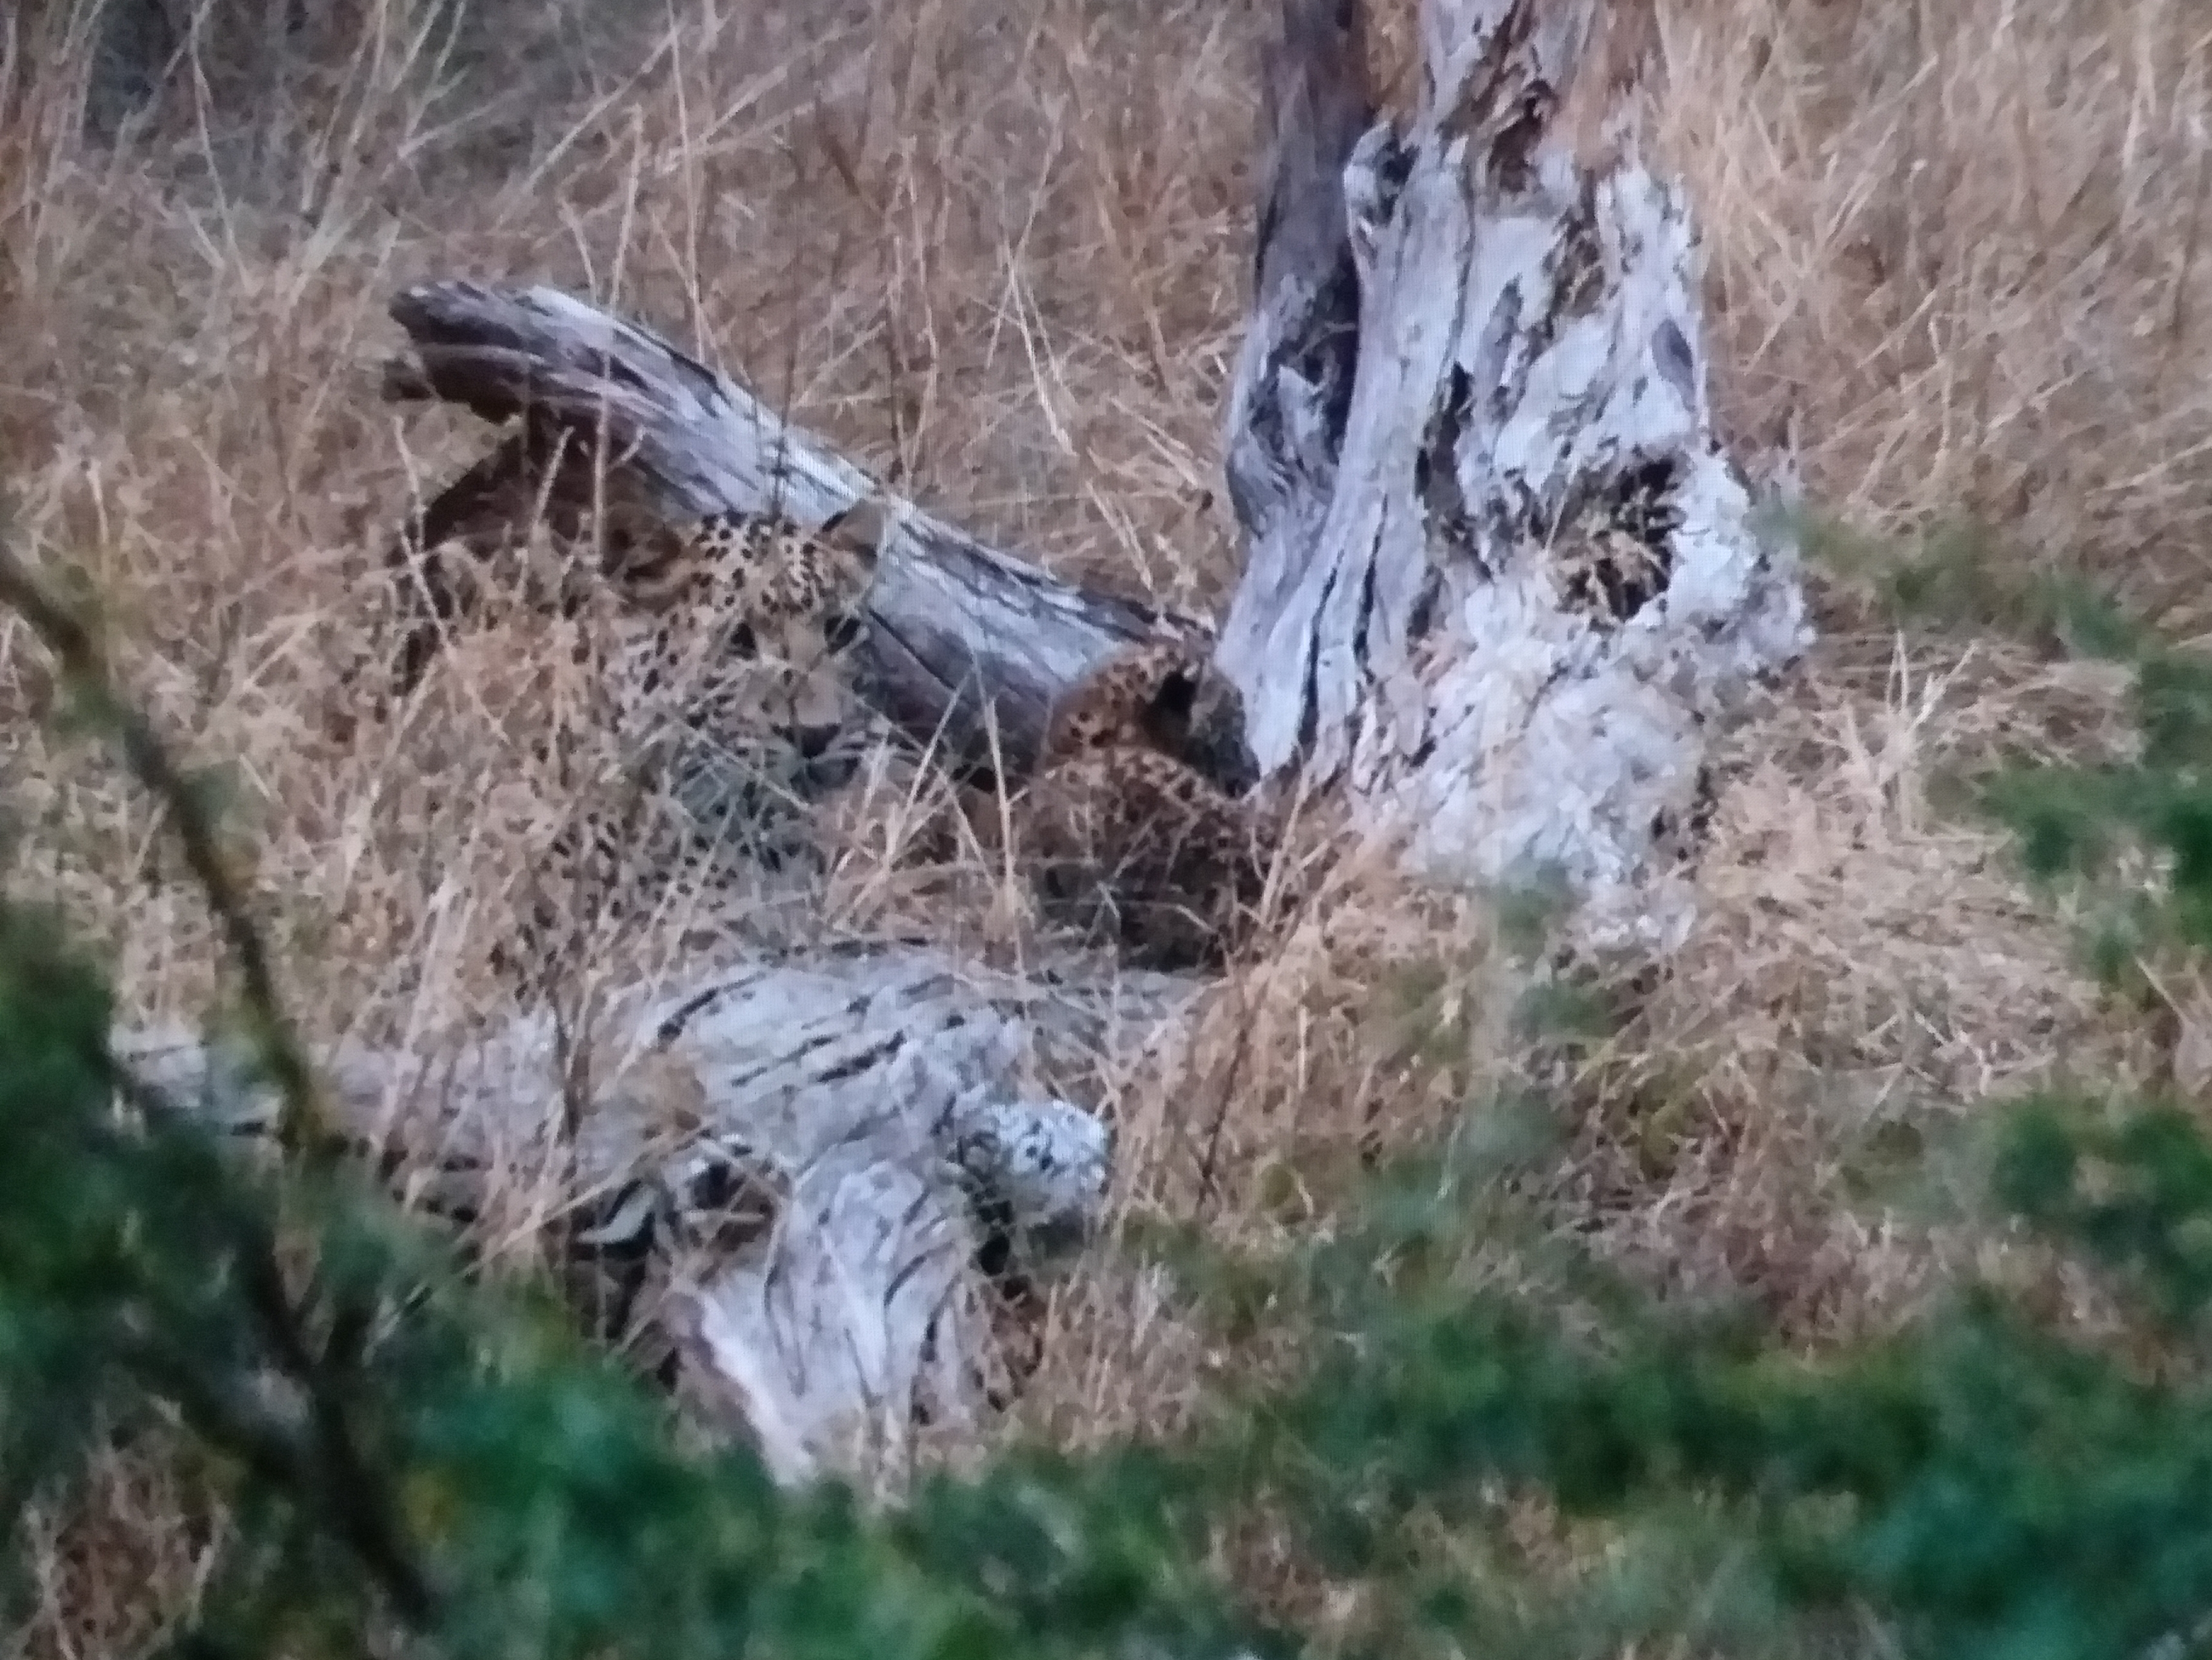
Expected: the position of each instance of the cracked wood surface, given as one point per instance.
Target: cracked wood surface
(1502, 576)
(871, 1108)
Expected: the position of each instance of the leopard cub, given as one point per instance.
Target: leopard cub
(719, 651)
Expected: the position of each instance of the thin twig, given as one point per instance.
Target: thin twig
(364, 1510)
(302, 1128)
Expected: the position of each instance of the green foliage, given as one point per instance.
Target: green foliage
(1981, 1486)
(412, 1460)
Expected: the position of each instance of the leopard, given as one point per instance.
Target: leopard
(1136, 821)
(719, 650)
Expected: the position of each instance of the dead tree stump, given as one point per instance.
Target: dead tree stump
(1501, 574)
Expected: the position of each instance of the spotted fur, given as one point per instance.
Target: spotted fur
(720, 652)
(1126, 833)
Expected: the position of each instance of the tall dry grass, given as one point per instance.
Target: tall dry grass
(997, 251)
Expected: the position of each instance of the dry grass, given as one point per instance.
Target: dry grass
(997, 251)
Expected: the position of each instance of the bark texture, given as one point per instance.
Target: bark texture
(1501, 574)
(960, 636)
(859, 1122)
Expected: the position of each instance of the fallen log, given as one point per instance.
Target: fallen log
(1502, 576)
(966, 645)
(812, 1152)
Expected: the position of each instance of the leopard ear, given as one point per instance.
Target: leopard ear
(1168, 714)
(860, 529)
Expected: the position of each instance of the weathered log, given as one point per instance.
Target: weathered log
(960, 636)
(868, 1108)
(1500, 574)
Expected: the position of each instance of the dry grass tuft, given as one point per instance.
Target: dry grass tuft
(1959, 245)
(131, 1549)
(997, 251)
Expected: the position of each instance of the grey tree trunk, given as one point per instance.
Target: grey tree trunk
(1501, 575)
